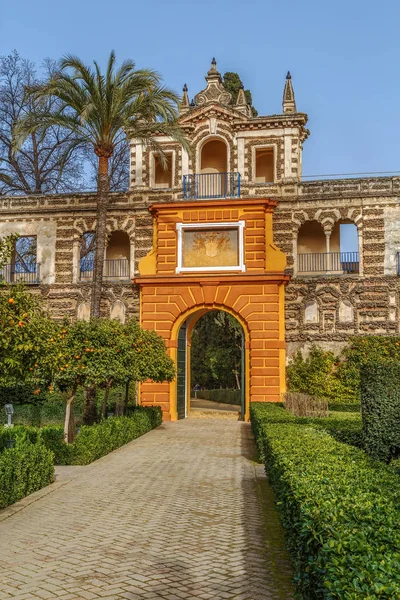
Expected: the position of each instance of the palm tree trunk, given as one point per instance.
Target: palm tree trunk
(101, 234)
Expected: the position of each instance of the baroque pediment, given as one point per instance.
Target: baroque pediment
(224, 113)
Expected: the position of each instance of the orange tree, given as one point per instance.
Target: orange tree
(26, 353)
(103, 354)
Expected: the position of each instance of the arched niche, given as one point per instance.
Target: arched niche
(344, 247)
(311, 312)
(214, 157)
(311, 238)
(346, 312)
(117, 255)
(83, 311)
(118, 311)
(311, 248)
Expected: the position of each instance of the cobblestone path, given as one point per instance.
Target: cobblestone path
(175, 515)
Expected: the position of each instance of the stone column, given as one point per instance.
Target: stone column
(328, 250)
(76, 251)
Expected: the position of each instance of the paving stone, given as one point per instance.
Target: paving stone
(174, 515)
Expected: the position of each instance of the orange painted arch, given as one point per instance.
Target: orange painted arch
(254, 297)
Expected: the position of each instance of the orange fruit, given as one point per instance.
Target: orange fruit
(11, 301)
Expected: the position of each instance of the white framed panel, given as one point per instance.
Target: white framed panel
(210, 227)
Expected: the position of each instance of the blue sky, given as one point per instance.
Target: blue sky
(344, 58)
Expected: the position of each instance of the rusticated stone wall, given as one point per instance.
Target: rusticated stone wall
(326, 309)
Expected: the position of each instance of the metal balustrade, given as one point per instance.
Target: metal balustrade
(211, 185)
(328, 262)
(117, 268)
(16, 273)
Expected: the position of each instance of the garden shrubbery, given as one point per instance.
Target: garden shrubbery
(28, 465)
(344, 427)
(380, 407)
(338, 378)
(24, 469)
(225, 396)
(340, 510)
(96, 441)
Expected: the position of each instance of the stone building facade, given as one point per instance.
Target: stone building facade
(341, 237)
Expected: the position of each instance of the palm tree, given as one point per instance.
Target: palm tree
(98, 108)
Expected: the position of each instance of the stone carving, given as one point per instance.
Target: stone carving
(83, 312)
(215, 91)
(118, 311)
(346, 311)
(311, 314)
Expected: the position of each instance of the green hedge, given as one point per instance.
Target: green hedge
(224, 396)
(340, 511)
(17, 432)
(24, 469)
(96, 441)
(344, 427)
(93, 441)
(380, 407)
(345, 407)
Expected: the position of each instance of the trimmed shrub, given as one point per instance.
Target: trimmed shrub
(351, 407)
(96, 441)
(52, 437)
(340, 511)
(344, 427)
(380, 407)
(365, 350)
(223, 396)
(24, 469)
(17, 432)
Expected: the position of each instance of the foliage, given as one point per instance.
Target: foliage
(92, 442)
(52, 437)
(102, 350)
(365, 350)
(17, 432)
(317, 375)
(47, 162)
(352, 407)
(24, 469)
(216, 351)
(100, 109)
(380, 408)
(339, 509)
(6, 248)
(98, 440)
(345, 427)
(26, 354)
(222, 395)
(232, 83)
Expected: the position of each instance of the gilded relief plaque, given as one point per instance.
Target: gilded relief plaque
(213, 247)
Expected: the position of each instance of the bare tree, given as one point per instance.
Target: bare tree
(49, 160)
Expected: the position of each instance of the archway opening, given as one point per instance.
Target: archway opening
(211, 365)
(213, 181)
(311, 248)
(116, 265)
(214, 157)
(344, 247)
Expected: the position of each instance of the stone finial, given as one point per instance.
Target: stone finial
(215, 91)
(184, 106)
(241, 102)
(288, 102)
